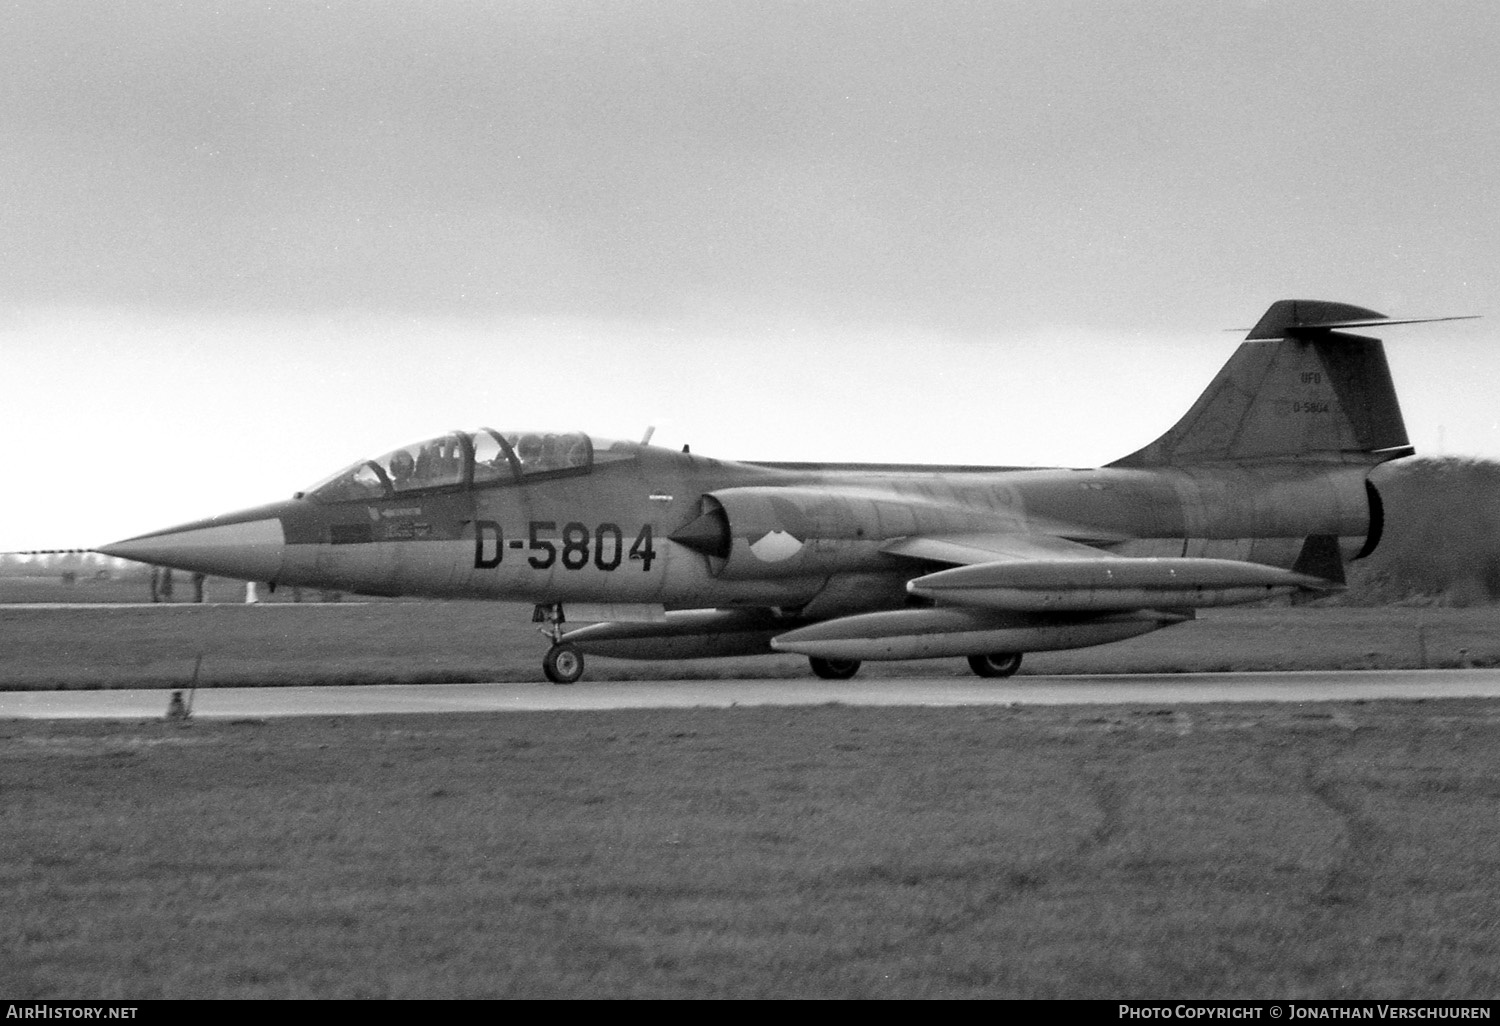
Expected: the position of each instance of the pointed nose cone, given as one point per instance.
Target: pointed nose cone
(250, 545)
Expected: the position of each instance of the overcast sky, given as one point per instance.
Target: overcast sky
(247, 243)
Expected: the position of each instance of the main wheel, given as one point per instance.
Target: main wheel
(996, 664)
(563, 664)
(834, 669)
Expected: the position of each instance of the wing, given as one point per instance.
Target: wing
(991, 547)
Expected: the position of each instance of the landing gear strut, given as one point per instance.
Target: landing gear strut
(563, 663)
(834, 669)
(996, 664)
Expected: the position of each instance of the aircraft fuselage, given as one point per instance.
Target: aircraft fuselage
(605, 537)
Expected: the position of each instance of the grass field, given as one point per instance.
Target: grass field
(118, 646)
(1328, 850)
(1228, 852)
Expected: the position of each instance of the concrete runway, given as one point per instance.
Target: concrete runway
(1175, 689)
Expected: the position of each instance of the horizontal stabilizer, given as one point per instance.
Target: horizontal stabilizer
(1377, 322)
(1292, 318)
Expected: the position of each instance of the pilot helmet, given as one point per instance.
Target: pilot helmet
(402, 464)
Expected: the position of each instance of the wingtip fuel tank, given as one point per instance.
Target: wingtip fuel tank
(1111, 585)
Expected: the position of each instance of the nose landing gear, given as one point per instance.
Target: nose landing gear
(563, 663)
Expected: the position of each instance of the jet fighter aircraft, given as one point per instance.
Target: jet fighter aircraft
(1260, 490)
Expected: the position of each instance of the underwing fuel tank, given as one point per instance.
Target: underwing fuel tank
(692, 634)
(931, 633)
(1104, 585)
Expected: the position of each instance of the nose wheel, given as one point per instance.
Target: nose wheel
(996, 664)
(563, 664)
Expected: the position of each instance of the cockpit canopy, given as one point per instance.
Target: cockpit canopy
(476, 459)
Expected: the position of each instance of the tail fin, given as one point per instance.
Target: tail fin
(1296, 388)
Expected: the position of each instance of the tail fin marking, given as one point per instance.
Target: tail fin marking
(1296, 388)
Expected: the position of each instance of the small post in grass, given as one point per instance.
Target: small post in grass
(177, 709)
(193, 689)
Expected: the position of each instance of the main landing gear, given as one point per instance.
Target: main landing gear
(834, 669)
(996, 664)
(563, 663)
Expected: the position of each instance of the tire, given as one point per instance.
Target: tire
(834, 669)
(996, 664)
(563, 664)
